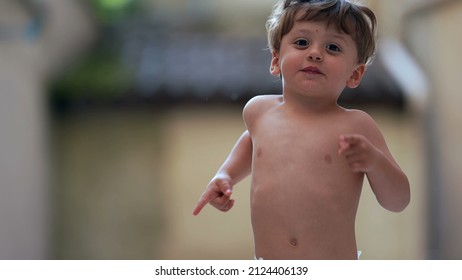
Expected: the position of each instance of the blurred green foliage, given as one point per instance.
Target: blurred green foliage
(111, 11)
(100, 75)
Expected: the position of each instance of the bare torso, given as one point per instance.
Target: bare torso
(304, 197)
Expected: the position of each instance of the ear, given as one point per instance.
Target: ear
(275, 69)
(356, 77)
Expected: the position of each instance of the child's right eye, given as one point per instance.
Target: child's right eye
(301, 43)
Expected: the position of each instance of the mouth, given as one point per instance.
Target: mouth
(312, 70)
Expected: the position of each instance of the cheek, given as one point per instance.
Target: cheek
(343, 70)
(291, 61)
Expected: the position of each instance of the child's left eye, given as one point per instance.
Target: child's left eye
(302, 43)
(333, 48)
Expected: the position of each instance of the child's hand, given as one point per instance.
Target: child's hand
(218, 194)
(359, 152)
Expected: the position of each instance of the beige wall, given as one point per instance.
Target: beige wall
(199, 139)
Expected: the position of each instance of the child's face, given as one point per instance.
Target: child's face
(315, 57)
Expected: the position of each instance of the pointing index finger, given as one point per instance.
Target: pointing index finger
(207, 197)
(204, 200)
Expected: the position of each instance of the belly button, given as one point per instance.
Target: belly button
(293, 242)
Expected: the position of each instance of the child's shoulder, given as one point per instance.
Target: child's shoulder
(360, 119)
(262, 102)
(355, 115)
(256, 106)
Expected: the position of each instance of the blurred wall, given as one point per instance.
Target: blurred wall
(29, 54)
(23, 161)
(108, 184)
(199, 139)
(432, 34)
(429, 29)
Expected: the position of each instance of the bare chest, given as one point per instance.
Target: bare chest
(297, 170)
(299, 146)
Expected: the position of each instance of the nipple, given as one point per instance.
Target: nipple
(259, 152)
(328, 159)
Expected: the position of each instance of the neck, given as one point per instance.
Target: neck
(308, 105)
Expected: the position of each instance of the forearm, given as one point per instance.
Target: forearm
(239, 161)
(389, 184)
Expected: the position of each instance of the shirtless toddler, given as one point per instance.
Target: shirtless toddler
(307, 155)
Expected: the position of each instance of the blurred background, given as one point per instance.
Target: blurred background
(115, 114)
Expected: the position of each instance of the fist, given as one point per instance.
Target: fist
(360, 154)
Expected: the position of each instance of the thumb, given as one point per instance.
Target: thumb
(343, 144)
(225, 187)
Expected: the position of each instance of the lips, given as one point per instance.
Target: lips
(312, 70)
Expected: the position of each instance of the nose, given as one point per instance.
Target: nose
(317, 58)
(314, 55)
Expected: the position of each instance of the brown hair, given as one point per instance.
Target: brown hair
(355, 20)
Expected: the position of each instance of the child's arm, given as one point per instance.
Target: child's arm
(372, 157)
(235, 168)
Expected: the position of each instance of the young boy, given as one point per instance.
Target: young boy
(307, 155)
